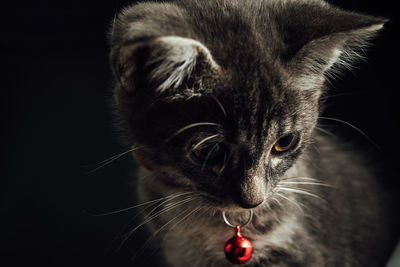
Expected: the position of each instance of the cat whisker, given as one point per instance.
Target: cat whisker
(301, 178)
(299, 191)
(269, 206)
(204, 140)
(325, 131)
(277, 201)
(206, 159)
(305, 183)
(187, 127)
(138, 205)
(220, 105)
(166, 199)
(329, 96)
(114, 20)
(112, 159)
(352, 126)
(126, 236)
(175, 205)
(317, 149)
(270, 211)
(125, 209)
(150, 239)
(298, 205)
(186, 194)
(226, 159)
(155, 215)
(192, 212)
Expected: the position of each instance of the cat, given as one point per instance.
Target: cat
(219, 102)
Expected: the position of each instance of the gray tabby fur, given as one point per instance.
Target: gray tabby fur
(255, 70)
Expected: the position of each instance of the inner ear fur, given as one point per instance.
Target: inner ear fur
(167, 65)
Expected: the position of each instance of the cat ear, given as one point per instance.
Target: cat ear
(321, 39)
(168, 65)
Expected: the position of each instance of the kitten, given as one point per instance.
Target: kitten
(219, 101)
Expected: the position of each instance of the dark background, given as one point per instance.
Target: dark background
(56, 126)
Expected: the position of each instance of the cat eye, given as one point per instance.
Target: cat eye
(285, 143)
(209, 152)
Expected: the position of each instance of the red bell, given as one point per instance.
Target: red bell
(238, 249)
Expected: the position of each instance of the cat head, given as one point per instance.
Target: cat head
(223, 96)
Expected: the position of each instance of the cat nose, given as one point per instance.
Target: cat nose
(248, 201)
(247, 205)
(250, 192)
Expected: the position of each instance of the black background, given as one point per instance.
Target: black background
(56, 126)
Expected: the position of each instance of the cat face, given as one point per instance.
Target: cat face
(229, 138)
(226, 104)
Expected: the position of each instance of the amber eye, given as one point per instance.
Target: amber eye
(209, 152)
(284, 143)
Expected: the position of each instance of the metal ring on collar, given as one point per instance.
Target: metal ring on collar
(234, 226)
